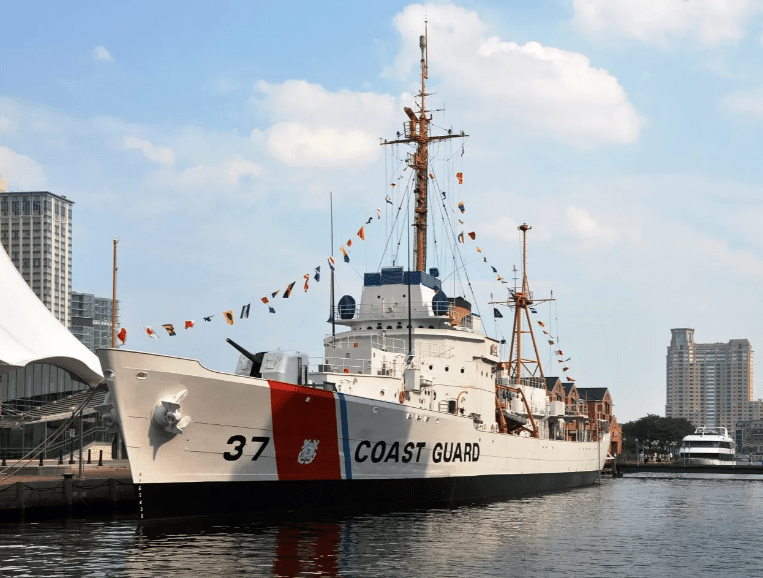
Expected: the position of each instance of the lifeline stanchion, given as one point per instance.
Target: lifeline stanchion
(88, 456)
(71, 457)
(100, 457)
(61, 458)
(41, 459)
(4, 462)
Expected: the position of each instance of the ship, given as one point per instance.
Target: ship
(708, 446)
(410, 406)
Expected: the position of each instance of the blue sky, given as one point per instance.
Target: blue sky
(207, 139)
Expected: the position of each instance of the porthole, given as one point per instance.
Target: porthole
(381, 393)
(462, 370)
(446, 368)
(430, 367)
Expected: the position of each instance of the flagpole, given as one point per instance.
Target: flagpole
(410, 320)
(333, 321)
(114, 300)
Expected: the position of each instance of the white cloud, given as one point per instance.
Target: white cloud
(231, 172)
(503, 228)
(317, 128)
(20, 171)
(553, 91)
(748, 103)
(162, 155)
(298, 145)
(238, 169)
(712, 22)
(583, 225)
(100, 53)
(6, 124)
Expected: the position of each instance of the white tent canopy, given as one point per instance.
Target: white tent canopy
(29, 333)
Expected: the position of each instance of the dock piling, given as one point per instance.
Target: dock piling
(21, 495)
(68, 488)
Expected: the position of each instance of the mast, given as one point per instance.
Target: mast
(416, 132)
(522, 300)
(333, 311)
(114, 299)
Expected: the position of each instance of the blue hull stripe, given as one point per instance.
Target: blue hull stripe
(345, 437)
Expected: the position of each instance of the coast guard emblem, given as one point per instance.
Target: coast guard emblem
(309, 449)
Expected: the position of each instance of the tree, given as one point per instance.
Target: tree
(654, 428)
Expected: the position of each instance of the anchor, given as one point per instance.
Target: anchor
(167, 414)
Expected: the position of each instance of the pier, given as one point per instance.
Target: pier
(680, 468)
(54, 490)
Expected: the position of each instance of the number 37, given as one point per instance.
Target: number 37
(238, 449)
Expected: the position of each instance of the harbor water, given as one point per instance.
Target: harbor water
(651, 525)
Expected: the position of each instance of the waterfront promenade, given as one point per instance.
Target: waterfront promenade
(55, 490)
(681, 468)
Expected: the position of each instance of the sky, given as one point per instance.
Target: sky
(211, 141)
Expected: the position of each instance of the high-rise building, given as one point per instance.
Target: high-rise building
(91, 320)
(710, 384)
(36, 231)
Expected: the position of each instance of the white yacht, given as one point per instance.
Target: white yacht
(708, 446)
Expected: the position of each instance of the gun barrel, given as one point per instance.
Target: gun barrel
(249, 356)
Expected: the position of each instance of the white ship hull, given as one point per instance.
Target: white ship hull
(258, 445)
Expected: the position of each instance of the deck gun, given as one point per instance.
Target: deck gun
(255, 358)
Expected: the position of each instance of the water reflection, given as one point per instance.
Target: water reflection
(313, 550)
(628, 527)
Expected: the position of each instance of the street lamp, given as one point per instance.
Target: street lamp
(637, 457)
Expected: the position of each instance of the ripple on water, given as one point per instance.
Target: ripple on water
(678, 526)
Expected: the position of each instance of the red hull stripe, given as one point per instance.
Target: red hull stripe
(304, 433)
